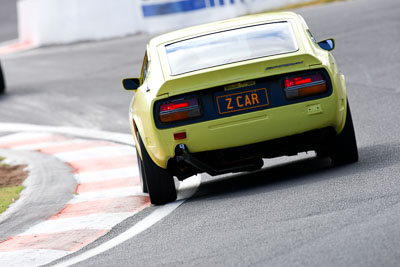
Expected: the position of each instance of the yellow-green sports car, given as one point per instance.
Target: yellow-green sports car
(220, 97)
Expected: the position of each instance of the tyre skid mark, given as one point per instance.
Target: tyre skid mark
(67, 241)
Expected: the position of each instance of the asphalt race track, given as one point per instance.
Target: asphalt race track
(8, 20)
(296, 212)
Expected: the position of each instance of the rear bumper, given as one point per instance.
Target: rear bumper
(246, 158)
(250, 128)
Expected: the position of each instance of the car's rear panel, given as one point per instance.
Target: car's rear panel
(254, 95)
(280, 118)
(254, 127)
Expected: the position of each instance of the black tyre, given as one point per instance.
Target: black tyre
(343, 149)
(160, 182)
(143, 182)
(2, 82)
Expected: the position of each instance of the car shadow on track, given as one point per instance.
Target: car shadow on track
(16, 94)
(296, 172)
(264, 178)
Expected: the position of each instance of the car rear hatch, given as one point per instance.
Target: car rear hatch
(223, 94)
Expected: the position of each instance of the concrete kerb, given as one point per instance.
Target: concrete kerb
(73, 131)
(49, 186)
(48, 189)
(186, 190)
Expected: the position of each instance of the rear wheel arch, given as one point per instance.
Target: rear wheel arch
(135, 133)
(343, 148)
(160, 182)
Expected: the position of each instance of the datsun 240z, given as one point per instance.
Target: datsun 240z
(220, 97)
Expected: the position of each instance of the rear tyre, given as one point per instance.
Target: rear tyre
(143, 182)
(160, 182)
(2, 83)
(343, 149)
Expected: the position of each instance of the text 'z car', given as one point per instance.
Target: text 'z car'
(220, 97)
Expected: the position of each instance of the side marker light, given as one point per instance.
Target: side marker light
(180, 136)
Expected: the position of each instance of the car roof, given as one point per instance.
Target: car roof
(221, 25)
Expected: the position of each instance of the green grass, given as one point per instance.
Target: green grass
(299, 5)
(1, 159)
(8, 195)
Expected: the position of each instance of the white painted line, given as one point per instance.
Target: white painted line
(97, 221)
(97, 153)
(112, 193)
(89, 133)
(87, 177)
(141, 226)
(157, 215)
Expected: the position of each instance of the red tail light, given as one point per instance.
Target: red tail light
(173, 106)
(180, 110)
(301, 86)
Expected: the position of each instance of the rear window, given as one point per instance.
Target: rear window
(230, 46)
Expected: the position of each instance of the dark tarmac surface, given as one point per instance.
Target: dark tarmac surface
(299, 213)
(8, 20)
